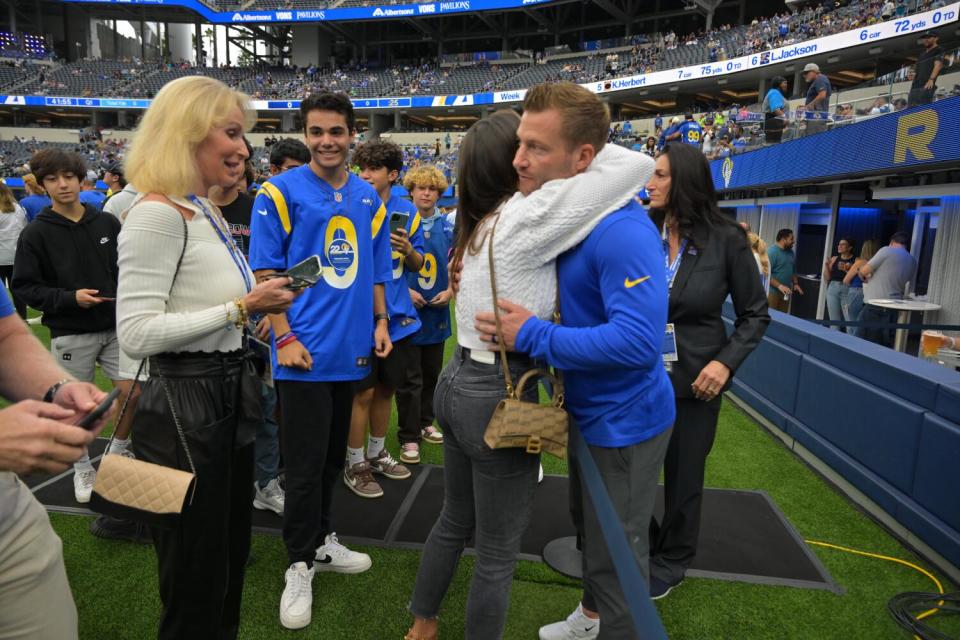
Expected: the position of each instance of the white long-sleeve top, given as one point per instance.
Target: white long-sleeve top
(533, 230)
(11, 224)
(199, 312)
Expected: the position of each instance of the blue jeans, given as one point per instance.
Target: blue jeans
(488, 495)
(851, 312)
(836, 300)
(267, 446)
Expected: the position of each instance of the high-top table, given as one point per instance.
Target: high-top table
(904, 307)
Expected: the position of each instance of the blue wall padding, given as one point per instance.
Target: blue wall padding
(873, 427)
(779, 389)
(948, 401)
(936, 485)
(892, 371)
(875, 487)
(886, 422)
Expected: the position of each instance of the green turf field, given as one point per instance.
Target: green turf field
(114, 584)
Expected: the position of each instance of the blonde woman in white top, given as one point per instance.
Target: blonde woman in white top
(184, 295)
(12, 221)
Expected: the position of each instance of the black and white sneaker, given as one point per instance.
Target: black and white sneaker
(333, 556)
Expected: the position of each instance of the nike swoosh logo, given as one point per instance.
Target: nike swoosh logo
(262, 212)
(630, 284)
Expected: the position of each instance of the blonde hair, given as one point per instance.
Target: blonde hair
(8, 204)
(869, 249)
(425, 176)
(760, 248)
(161, 157)
(31, 185)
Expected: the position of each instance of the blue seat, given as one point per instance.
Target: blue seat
(875, 428)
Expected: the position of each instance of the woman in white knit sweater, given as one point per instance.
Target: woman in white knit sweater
(489, 493)
(184, 294)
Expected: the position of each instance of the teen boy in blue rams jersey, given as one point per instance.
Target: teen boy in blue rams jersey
(380, 164)
(431, 296)
(322, 344)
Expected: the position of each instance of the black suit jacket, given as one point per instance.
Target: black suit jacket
(716, 263)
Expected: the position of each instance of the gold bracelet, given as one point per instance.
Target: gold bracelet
(242, 317)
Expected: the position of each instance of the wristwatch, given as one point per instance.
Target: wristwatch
(377, 317)
(52, 391)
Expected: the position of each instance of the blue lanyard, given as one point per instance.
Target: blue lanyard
(228, 242)
(672, 268)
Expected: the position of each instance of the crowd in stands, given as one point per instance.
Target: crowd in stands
(136, 78)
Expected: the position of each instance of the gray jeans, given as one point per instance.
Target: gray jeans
(630, 475)
(488, 495)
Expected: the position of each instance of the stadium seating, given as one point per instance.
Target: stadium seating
(663, 51)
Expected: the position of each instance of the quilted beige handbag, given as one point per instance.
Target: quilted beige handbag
(516, 422)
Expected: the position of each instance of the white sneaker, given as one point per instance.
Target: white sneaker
(270, 498)
(296, 603)
(577, 626)
(333, 556)
(540, 475)
(83, 479)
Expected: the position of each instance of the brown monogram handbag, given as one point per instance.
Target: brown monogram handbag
(516, 422)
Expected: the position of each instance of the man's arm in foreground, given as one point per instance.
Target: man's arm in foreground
(35, 434)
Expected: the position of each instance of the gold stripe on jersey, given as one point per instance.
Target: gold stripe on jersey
(378, 220)
(415, 225)
(280, 202)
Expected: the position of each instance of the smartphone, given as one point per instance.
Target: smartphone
(91, 418)
(304, 274)
(398, 220)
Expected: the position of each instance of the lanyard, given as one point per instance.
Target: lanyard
(673, 267)
(228, 242)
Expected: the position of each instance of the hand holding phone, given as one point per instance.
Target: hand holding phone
(398, 220)
(304, 274)
(94, 416)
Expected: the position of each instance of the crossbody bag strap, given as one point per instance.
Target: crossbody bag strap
(143, 362)
(504, 363)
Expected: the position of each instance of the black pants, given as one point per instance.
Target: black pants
(6, 277)
(202, 561)
(920, 95)
(673, 541)
(315, 426)
(415, 395)
(773, 127)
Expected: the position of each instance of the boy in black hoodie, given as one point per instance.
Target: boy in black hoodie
(66, 267)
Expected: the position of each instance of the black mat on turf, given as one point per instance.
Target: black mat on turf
(744, 536)
(742, 532)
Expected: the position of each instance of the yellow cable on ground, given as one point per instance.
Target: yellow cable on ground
(925, 614)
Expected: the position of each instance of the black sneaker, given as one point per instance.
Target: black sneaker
(660, 589)
(115, 529)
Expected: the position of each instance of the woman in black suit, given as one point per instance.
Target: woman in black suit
(708, 258)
